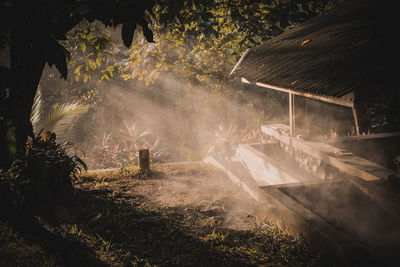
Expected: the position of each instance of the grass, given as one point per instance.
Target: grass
(123, 218)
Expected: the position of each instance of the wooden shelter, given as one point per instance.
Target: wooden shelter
(342, 56)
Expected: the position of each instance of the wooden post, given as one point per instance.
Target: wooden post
(291, 114)
(300, 115)
(144, 160)
(360, 115)
(297, 114)
(356, 121)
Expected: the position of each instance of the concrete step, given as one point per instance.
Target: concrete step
(237, 174)
(269, 165)
(292, 216)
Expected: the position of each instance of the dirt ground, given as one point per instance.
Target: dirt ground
(184, 214)
(201, 195)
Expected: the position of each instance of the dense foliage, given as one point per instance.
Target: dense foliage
(49, 162)
(204, 39)
(36, 42)
(41, 179)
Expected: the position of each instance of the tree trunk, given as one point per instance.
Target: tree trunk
(27, 64)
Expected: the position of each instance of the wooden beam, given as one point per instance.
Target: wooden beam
(346, 100)
(237, 66)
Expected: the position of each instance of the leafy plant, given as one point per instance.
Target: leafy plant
(92, 50)
(383, 112)
(104, 153)
(48, 166)
(45, 173)
(228, 137)
(215, 237)
(121, 147)
(135, 140)
(106, 245)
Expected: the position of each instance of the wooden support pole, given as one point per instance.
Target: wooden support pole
(297, 114)
(291, 114)
(360, 115)
(300, 115)
(356, 121)
(144, 160)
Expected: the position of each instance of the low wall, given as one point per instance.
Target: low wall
(380, 148)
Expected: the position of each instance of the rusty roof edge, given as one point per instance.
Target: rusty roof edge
(239, 62)
(347, 100)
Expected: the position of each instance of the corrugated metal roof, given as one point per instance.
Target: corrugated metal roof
(341, 51)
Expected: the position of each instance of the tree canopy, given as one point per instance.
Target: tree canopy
(205, 38)
(193, 37)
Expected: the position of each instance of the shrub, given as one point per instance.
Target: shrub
(228, 138)
(120, 147)
(48, 167)
(45, 174)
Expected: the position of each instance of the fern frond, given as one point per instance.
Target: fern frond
(60, 119)
(36, 108)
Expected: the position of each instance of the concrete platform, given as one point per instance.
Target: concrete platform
(292, 216)
(353, 213)
(344, 217)
(380, 148)
(370, 177)
(343, 160)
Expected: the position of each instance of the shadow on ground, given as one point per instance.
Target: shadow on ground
(114, 222)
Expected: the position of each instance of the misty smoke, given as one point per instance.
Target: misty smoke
(187, 121)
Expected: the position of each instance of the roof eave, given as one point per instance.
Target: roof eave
(239, 62)
(346, 100)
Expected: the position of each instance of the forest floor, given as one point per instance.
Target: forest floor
(183, 214)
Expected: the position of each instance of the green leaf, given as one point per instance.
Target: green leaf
(92, 64)
(83, 47)
(78, 69)
(59, 119)
(98, 61)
